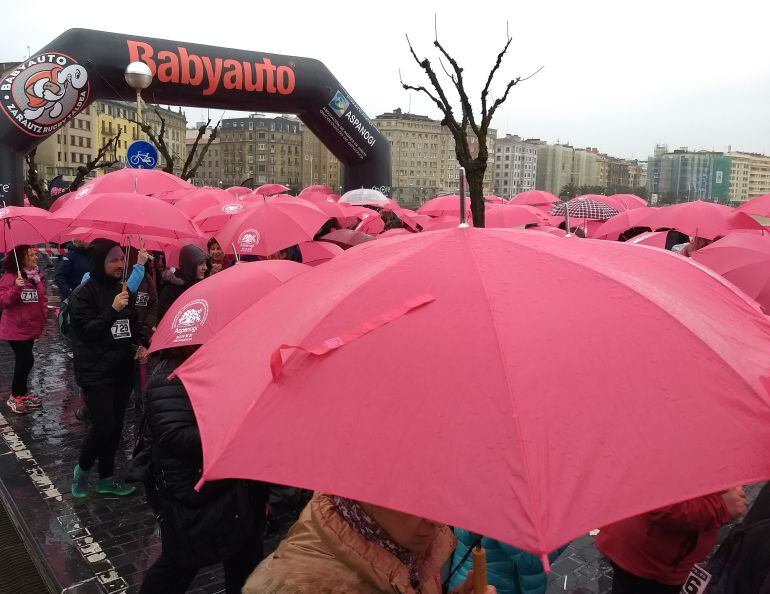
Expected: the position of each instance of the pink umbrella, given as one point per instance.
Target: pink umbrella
(396, 231)
(532, 475)
(624, 221)
(653, 238)
(744, 260)
(630, 201)
(150, 242)
(514, 216)
(550, 230)
(439, 223)
(701, 219)
(196, 201)
(174, 196)
(411, 219)
(610, 201)
(127, 214)
(25, 225)
(212, 219)
(492, 199)
(347, 238)
(444, 205)
(759, 208)
(141, 181)
(61, 201)
(534, 198)
(318, 252)
(319, 197)
(371, 224)
(318, 188)
(238, 190)
(271, 189)
(344, 213)
(208, 306)
(270, 226)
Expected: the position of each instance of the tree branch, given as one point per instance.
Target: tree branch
(186, 175)
(460, 86)
(92, 164)
(159, 141)
(485, 92)
(511, 84)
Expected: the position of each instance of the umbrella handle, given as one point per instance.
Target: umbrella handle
(479, 570)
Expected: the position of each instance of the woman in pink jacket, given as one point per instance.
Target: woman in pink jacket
(24, 305)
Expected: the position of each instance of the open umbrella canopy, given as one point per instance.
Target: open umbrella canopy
(534, 198)
(238, 190)
(316, 197)
(371, 224)
(208, 306)
(270, 226)
(514, 215)
(212, 219)
(61, 201)
(630, 201)
(346, 238)
(652, 238)
(492, 199)
(759, 208)
(448, 205)
(141, 181)
(317, 188)
(625, 220)
(466, 434)
(127, 214)
(196, 201)
(365, 197)
(744, 260)
(584, 207)
(318, 252)
(271, 189)
(26, 225)
(701, 219)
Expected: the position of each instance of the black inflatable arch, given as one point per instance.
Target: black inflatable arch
(40, 95)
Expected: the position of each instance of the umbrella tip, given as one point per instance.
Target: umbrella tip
(546, 562)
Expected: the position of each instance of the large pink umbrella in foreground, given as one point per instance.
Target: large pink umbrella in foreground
(268, 227)
(464, 433)
(141, 181)
(744, 260)
(208, 306)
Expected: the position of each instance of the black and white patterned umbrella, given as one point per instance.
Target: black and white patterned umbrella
(584, 208)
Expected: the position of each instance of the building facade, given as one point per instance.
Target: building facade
(684, 175)
(210, 171)
(73, 145)
(267, 149)
(515, 166)
(749, 176)
(319, 166)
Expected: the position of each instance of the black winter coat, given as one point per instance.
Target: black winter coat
(146, 304)
(104, 341)
(69, 274)
(224, 514)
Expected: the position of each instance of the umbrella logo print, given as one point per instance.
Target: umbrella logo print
(3, 213)
(84, 191)
(232, 208)
(189, 319)
(248, 239)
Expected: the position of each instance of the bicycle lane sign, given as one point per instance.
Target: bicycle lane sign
(141, 155)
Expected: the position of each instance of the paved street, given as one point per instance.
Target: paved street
(104, 544)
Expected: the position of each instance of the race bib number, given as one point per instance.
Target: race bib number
(29, 295)
(142, 299)
(121, 329)
(697, 581)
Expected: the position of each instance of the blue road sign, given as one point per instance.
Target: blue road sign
(141, 155)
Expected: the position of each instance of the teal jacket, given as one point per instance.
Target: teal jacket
(510, 570)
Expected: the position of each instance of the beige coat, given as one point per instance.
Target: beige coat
(322, 554)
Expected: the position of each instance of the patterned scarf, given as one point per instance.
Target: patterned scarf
(33, 274)
(362, 523)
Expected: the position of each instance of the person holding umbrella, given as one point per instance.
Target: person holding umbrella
(194, 266)
(343, 545)
(24, 305)
(217, 255)
(105, 341)
(72, 267)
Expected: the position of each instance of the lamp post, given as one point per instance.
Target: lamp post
(138, 76)
(310, 158)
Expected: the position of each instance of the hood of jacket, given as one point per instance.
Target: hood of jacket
(190, 256)
(99, 250)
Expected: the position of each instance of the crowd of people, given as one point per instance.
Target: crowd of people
(114, 297)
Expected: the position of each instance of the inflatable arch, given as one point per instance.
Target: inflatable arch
(41, 94)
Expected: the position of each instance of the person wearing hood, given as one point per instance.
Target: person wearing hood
(194, 266)
(73, 265)
(24, 303)
(105, 341)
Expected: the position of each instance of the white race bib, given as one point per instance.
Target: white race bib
(142, 299)
(121, 329)
(697, 581)
(29, 295)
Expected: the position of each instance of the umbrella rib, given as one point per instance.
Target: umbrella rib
(533, 502)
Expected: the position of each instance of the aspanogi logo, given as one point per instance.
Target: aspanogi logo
(84, 191)
(248, 240)
(189, 319)
(43, 92)
(339, 104)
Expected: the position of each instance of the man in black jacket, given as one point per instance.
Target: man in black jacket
(194, 266)
(105, 341)
(223, 522)
(73, 265)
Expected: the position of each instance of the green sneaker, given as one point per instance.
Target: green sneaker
(79, 486)
(111, 486)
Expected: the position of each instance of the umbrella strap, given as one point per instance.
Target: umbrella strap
(330, 344)
(461, 562)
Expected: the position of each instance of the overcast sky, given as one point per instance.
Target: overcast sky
(618, 75)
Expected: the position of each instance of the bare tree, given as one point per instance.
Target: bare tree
(36, 188)
(475, 165)
(191, 164)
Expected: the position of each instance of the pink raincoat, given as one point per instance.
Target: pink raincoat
(24, 310)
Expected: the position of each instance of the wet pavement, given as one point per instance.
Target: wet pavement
(105, 544)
